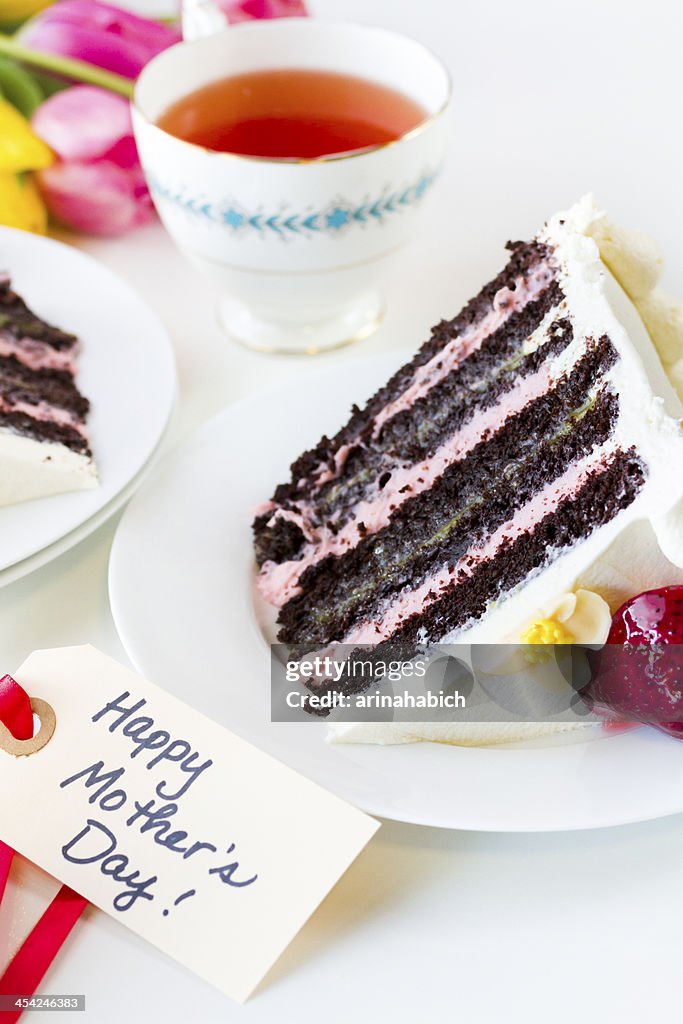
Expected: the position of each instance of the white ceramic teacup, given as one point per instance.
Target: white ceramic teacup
(298, 246)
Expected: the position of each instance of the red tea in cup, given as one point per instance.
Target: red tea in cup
(290, 114)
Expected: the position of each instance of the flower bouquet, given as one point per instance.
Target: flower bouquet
(67, 150)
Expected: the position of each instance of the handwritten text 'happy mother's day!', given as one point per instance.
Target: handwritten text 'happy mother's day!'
(98, 842)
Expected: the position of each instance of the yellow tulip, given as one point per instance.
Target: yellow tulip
(20, 203)
(20, 147)
(13, 11)
(21, 151)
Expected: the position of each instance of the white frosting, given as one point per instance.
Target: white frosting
(466, 734)
(663, 317)
(35, 469)
(675, 375)
(633, 258)
(635, 261)
(633, 562)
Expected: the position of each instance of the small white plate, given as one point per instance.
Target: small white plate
(125, 368)
(181, 589)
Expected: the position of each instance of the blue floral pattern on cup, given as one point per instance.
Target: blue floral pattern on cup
(336, 218)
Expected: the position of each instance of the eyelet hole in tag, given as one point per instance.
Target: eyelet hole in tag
(23, 748)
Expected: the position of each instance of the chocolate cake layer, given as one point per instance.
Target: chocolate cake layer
(19, 383)
(476, 385)
(22, 322)
(418, 432)
(603, 496)
(467, 504)
(525, 256)
(282, 542)
(537, 419)
(44, 430)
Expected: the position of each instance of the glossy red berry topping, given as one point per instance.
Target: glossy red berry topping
(654, 617)
(638, 675)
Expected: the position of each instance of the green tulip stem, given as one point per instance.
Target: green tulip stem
(66, 67)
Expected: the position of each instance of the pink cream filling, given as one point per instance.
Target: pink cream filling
(543, 504)
(278, 582)
(505, 302)
(36, 354)
(324, 474)
(44, 412)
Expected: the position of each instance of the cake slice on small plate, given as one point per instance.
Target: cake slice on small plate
(44, 447)
(494, 468)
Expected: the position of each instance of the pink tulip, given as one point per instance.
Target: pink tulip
(98, 199)
(249, 10)
(97, 185)
(99, 34)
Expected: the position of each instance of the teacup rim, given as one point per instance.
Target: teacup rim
(426, 123)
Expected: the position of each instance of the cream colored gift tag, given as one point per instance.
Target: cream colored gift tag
(211, 850)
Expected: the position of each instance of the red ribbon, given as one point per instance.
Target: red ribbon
(25, 972)
(15, 709)
(16, 714)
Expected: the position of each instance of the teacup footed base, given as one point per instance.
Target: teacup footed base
(242, 325)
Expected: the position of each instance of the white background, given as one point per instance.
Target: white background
(551, 100)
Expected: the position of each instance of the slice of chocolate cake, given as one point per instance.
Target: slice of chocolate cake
(44, 445)
(491, 469)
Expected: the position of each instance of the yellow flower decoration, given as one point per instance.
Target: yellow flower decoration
(547, 631)
(581, 617)
(21, 205)
(20, 147)
(21, 151)
(542, 633)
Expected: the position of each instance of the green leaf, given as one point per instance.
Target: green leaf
(19, 87)
(66, 67)
(49, 84)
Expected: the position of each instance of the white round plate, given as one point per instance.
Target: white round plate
(181, 589)
(125, 368)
